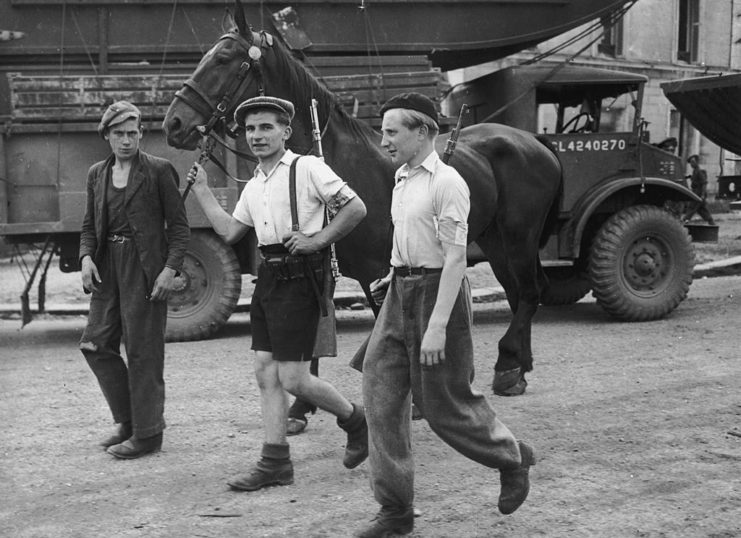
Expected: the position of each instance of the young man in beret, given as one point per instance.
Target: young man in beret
(421, 345)
(133, 240)
(285, 307)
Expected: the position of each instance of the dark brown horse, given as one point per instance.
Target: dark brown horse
(514, 178)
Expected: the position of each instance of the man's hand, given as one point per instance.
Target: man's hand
(432, 351)
(197, 176)
(378, 289)
(163, 285)
(90, 275)
(298, 244)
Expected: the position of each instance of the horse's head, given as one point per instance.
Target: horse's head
(227, 74)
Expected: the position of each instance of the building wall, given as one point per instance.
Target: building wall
(650, 40)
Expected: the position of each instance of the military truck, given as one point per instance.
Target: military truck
(614, 236)
(617, 234)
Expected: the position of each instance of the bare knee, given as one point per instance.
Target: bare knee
(294, 377)
(266, 371)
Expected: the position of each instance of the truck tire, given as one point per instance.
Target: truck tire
(641, 264)
(566, 285)
(207, 289)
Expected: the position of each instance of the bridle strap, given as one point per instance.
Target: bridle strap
(217, 112)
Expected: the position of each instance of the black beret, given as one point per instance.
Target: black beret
(118, 112)
(412, 101)
(261, 103)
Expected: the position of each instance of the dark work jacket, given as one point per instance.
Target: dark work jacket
(153, 208)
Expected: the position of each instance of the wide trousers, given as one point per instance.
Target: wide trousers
(134, 388)
(392, 372)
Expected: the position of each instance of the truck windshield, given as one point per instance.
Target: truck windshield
(588, 115)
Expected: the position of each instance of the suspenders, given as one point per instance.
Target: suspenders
(310, 274)
(292, 194)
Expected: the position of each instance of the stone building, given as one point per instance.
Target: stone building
(664, 40)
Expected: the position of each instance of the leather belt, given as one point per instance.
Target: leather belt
(287, 259)
(118, 238)
(416, 271)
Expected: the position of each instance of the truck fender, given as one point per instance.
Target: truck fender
(594, 198)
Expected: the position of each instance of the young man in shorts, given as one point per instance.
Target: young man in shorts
(285, 309)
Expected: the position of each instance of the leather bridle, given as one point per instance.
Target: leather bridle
(216, 111)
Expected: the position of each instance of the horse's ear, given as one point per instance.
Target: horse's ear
(227, 23)
(240, 19)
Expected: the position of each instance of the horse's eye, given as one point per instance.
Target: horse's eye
(222, 58)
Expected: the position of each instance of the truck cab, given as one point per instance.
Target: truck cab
(619, 233)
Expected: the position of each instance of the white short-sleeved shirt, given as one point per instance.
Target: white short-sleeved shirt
(429, 206)
(265, 200)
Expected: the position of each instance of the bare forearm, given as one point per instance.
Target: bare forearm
(221, 221)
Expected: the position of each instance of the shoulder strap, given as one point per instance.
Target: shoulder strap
(292, 194)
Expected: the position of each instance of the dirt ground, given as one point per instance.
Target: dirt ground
(637, 429)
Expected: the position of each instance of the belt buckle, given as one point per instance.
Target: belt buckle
(116, 238)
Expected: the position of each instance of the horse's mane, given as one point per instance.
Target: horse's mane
(307, 85)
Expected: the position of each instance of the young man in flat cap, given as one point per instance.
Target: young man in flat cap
(421, 345)
(134, 237)
(285, 304)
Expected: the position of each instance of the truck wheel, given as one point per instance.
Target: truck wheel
(207, 289)
(641, 264)
(566, 285)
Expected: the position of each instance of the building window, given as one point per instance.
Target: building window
(612, 37)
(689, 30)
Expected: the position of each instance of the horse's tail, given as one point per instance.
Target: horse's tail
(552, 219)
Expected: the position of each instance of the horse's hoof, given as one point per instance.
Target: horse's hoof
(509, 383)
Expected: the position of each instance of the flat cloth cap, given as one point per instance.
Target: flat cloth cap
(412, 101)
(262, 103)
(118, 112)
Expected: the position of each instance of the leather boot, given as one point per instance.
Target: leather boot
(297, 419)
(134, 447)
(515, 483)
(388, 525)
(356, 449)
(273, 469)
(123, 432)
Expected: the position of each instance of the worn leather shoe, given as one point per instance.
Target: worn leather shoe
(515, 483)
(123, 432)
(356, 449)
(295, 426)
(134, 447)
(261, 477)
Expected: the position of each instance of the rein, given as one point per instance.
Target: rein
(199, 101)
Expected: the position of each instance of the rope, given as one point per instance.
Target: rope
(614, 20)
(193, 31)
(61, 74)
(370, 38)
(84, 43)
(167, 37)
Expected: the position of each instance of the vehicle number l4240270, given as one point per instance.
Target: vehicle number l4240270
(613, 144)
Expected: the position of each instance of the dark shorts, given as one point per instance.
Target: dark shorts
(284, 315)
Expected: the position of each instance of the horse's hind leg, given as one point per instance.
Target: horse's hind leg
(517, 269)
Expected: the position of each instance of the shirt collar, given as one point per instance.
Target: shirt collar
(286, 159)
(428, 164)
